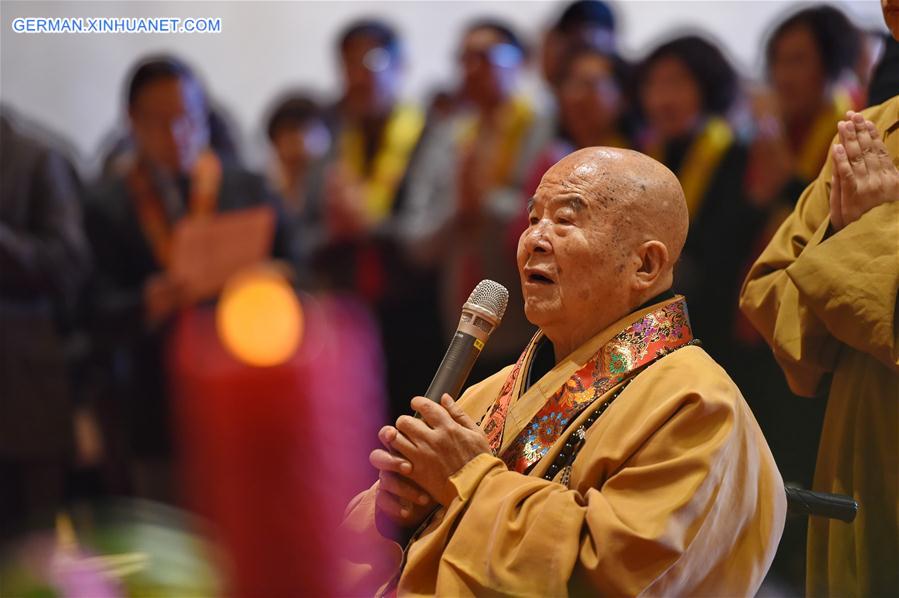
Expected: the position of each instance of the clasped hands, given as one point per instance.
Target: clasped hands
(863, 172)
(420, 455)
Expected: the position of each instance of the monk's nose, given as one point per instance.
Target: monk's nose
(535, 238)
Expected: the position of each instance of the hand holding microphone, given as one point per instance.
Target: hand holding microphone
(423, 453)
(438, 444)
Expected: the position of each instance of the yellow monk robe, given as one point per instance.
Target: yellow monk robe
(826, 303)
(674, 491)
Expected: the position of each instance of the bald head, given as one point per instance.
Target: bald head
(606, 227)
(641, 194)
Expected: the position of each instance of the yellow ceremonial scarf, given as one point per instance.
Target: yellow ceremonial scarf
(389, 165)
(814, 148)
(650, 337)
(701, 161)
(513, 123)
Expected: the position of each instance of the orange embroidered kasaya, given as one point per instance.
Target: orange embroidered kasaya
(653, 336)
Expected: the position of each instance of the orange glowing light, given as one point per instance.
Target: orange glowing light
(259, 318)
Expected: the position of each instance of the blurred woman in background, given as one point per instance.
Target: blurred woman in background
(685, 88)
(592, 96)
(592, 108)
(810, 59)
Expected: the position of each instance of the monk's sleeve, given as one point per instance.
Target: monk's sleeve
(850, 280)
(811, 290)
(368, 560)
(517, 534)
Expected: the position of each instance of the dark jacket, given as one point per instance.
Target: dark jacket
(131, 355)
(44, 261)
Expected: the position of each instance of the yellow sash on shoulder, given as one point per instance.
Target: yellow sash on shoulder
(814, 150)
(398, 140)
(701, 161)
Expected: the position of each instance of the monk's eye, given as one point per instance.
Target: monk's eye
(565, 217)
(533, 220)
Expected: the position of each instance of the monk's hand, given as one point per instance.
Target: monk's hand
(398, 497)
(863, 172)
(439, 444)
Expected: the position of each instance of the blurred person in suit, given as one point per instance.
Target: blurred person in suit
(44, 263)
(172, 173)
(375, 136)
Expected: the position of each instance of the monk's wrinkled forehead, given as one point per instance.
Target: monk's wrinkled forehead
(603, 177)
(640, 193)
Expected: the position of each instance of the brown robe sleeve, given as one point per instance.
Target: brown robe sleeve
(812, 289)
(369, 561)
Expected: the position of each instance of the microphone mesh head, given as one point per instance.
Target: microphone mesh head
(491, 296)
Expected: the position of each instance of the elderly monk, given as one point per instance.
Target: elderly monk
(615, 457)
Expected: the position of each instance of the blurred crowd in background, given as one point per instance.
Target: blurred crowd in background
(396, 211)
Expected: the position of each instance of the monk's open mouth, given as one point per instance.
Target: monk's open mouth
(539, 279)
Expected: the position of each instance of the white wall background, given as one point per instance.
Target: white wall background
(72, 83)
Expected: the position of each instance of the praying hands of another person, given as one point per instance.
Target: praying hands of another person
(864, 175)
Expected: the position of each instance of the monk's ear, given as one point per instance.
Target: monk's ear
(653, 256)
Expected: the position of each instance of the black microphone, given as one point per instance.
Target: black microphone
(481, 314)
